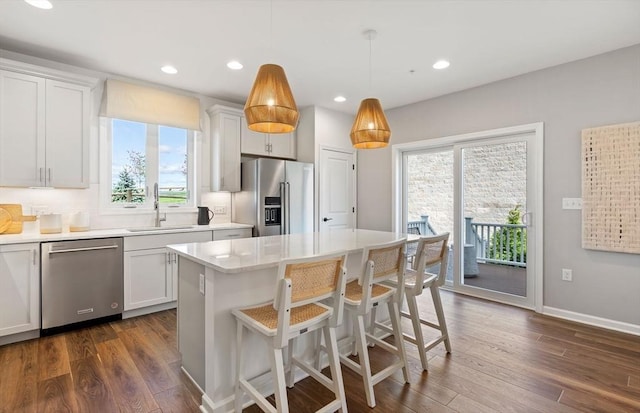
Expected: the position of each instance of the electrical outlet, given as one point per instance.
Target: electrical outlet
(567, 274)
(219, 210)
(202, 284)
(571, 203)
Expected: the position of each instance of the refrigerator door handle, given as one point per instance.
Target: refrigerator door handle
(288, 221)
(283, 208)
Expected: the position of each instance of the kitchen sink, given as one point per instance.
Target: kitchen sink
(165, 228)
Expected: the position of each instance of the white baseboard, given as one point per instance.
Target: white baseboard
(592, 320)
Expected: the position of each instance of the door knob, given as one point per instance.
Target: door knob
(325, 219)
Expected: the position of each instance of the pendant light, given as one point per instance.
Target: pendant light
(270, 107)
(370, 129)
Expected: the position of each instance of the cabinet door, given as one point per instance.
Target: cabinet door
(225, 152)
(19, 288)
(22, 129)
(148, 278)
(282, 145)
(253, 143)
(67, 135)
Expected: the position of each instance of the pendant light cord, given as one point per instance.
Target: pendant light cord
(370, 66)
(271, 30)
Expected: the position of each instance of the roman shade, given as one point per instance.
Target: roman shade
(127, 101)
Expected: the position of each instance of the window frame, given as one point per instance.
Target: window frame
(152, 171)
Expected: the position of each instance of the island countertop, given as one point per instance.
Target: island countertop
(239, 255)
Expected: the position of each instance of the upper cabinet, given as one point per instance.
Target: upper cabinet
(281, 145)
(225, 147)
(44, 131)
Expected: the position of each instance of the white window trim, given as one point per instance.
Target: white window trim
(105, 164)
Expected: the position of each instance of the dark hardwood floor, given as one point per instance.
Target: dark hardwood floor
(504, 359)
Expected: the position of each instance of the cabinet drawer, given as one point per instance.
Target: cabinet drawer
(231, 233)
(144, 242)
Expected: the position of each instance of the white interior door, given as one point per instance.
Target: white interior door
(337, 198)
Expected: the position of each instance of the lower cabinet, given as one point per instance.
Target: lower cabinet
(150, 270)
(19, 288)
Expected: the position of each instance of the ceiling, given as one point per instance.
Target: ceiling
(320, 43)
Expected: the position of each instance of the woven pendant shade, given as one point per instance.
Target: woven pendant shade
(370, 129)
(270, 107)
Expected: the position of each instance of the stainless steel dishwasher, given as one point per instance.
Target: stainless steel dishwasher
(82, 280)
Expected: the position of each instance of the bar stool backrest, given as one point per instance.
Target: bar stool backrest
(431, 251)
(380, 263)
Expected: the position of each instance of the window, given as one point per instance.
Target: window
(142, 155)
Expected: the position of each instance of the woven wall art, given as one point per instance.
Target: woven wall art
(611, 188)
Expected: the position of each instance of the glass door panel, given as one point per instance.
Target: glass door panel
(494, 193)
(429, 188)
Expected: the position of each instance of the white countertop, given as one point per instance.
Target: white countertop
(238, 255)
(26, 237)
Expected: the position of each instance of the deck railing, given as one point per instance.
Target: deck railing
(499, 243)
(493, 243)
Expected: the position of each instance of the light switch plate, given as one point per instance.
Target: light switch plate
(571, 203)
(219, 210)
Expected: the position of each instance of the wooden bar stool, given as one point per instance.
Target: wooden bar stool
(379, 263)
(430, 252)
(296, 310)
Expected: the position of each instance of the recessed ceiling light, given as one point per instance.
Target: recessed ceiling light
(234, 65)
(441, 64)
(41, 4)
(340, 99)
(168, 69)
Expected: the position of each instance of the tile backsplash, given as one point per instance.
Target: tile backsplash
(69, 201)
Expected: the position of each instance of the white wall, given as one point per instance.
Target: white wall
(601, 90)
(66, 201)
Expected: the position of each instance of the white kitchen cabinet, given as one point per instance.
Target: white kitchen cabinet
(44, 132)
(226, 127)
(149, 281)
(150, 270)
(280, 145)
(19, 288)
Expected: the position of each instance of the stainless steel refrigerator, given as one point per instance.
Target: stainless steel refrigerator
(276, 197)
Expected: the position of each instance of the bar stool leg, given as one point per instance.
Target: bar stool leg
(363, 354)
(334, 366)
(280, 390)
(372, 324)
(290, 363)
(394, 315)
(417, 329)
(237, 402)
(437, 302)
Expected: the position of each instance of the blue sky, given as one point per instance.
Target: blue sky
(129, 135)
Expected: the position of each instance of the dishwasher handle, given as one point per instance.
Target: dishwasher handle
(104, 247)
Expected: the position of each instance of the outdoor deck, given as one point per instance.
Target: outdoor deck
(502, 278)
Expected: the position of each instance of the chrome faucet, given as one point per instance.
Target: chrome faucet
(156, 205)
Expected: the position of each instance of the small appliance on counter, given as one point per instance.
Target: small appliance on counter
(11, 218)
(79, 222)
(50, 224)
(205, 215)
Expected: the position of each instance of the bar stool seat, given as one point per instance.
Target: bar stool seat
(296, 310)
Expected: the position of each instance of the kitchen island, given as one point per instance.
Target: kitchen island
(215, 277)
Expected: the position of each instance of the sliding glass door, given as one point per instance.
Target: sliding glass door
(484, 190)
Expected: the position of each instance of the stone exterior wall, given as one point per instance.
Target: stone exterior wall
(495, 182)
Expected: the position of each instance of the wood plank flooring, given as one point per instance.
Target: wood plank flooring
(504, 359)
